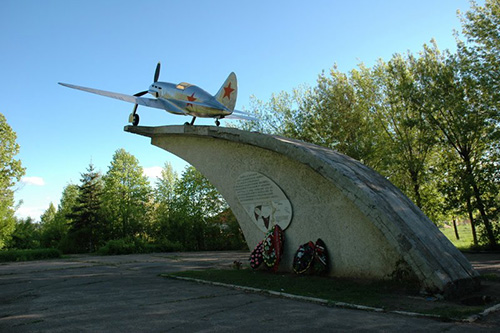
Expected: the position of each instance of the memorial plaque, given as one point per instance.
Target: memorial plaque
(263, 200)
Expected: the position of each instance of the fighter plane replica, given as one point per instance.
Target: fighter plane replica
(181, 99)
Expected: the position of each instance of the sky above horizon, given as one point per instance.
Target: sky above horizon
(114, 45)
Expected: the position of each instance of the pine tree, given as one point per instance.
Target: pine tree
(87, 229)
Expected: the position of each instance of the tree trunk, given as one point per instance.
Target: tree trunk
(471, 219)
(480, 205)
(416, 188)
(455, 228)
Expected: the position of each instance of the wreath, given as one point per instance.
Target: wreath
(310, 256)
(256, 256)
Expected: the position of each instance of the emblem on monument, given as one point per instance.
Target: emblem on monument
(263, 200)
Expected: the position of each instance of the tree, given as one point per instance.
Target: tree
(455, 108)
(165, 188)
(126, 195)
(412, 139)
(282, 115)
(164, 195)
(338, 114)
(86, 223)
(49, 215)
(481, 27)
(26, 235)
(53, 230)
(192, 215)
(196, 192)
(479, 57)
(11, 172)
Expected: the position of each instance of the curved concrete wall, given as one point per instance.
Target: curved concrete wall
(370, 228)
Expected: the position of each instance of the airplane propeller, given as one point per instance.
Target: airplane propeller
(135, 116)
(157, 72)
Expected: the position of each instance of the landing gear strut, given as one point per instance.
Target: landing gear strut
(191, 123)
(217, 122)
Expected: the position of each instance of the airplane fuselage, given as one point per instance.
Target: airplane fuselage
(188, 98)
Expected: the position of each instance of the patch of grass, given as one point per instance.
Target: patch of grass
(389, 295)
(362, 292)
(464, 232)
(453, 312)
(490, 277)
(26, 255)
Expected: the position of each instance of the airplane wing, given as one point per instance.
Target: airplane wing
(153, 103)
(241, 115)
(171, 107)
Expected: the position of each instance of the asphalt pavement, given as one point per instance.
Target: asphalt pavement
(127, 294)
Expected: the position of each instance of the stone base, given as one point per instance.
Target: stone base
(371, 229)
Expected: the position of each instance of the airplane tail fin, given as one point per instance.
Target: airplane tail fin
(228, 92)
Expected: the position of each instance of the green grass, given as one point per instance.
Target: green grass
(464, 232)
(312, 286)
(389, 295)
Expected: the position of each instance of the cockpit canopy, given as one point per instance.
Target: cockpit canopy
(183, 85)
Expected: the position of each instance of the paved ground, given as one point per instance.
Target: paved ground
(125, 294)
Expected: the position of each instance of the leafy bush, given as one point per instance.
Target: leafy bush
(30, 254)
(131, 245)
(72, 243)
(127, 245)
(165, 245)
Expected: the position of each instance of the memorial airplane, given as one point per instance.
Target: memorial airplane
(181, 99)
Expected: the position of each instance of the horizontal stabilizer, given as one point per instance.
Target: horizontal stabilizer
(241, 115)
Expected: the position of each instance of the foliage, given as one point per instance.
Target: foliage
(126, 195)
(481, 27)
(454, 108)
(127, 245)
(28, 254)
(55, 224)
(85, 215)
(11, 171)
(411, 138)
(164, 197)
(131, 245)
(26, 235)
(165, 188)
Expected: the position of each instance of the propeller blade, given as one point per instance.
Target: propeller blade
(139, 94)
(157, 72)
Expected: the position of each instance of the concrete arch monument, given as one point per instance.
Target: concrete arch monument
(371, 229)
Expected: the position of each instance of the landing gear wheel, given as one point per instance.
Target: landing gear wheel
(217, 122)
(187, 123)
(135, 122)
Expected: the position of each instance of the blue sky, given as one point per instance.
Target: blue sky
(115, 45)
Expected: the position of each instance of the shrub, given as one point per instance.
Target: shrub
(131, 245)
(119, 246)
(165, 245)
(31, 254)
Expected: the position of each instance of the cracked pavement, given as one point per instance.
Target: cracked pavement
(125, 293)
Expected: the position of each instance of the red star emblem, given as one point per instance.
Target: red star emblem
(191, 99)
(227, 91)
